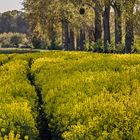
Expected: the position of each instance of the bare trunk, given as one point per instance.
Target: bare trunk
(106, 25)
(52, 36)
(98, 22)
(72, 47)
(65, 34)
(82, 39)
(77, 41)
(129, 37)
(118, 25)
(91, 35)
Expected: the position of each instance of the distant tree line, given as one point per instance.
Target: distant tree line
(13, 21)
(15, 31)
(85, 24)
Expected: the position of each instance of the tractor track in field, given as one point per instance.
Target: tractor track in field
(42, 123)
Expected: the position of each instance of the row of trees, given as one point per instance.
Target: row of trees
(82, 23)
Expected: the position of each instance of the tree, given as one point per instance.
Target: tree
(106, 25)
(129, 23)
(72, 20)
(98, 20)
(72, 44)
(82, 39)
(13, 21)
(117, 5)
(61, 13)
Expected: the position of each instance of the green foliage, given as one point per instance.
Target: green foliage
(136, 48)
(55, 47)
(56, 19)
(37, 43)
(97, 47)
(14, 40)
(13, 21)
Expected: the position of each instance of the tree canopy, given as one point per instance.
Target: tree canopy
(82, 24)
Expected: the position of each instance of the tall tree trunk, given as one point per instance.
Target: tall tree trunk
(129, 37)
(72, 47)
(91, 35)
(106, 25)
(65, 34)
(82, 39)
(118, 24)
(98, 21)
(52, 35)
(78, 41)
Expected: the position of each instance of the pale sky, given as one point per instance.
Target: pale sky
(6, 5)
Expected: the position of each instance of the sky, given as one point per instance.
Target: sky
(6, 5)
